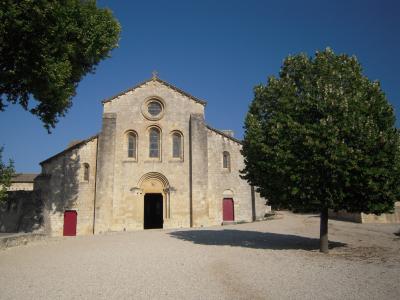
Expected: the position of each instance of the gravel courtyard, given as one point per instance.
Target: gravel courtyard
(276, 259)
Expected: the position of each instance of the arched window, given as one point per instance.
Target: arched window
(131, 144)
(226, 160)
(86, 170)
(154, 142)
(177, 145)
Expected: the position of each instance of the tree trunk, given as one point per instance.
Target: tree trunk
(323, 236)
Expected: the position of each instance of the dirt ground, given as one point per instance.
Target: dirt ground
(275, 259)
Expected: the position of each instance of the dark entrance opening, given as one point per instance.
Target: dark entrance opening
(153, 211)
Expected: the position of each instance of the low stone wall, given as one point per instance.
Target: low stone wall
(383, 218)
(21, 212)
(345, 216)
(367, 218)
(18, 239)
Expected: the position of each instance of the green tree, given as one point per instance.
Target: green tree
(6, 172)
(46, 47)
(322, 136)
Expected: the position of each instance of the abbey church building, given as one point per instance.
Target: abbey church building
(155, 164)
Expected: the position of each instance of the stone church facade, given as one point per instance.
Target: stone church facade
(155, 164)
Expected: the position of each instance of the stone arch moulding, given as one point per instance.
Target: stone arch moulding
(154, 175)
(165, 188)
(228, 193)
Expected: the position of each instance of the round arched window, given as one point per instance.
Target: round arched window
(154, 108)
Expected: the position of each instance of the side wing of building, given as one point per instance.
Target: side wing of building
(225, 184)
(67, 184)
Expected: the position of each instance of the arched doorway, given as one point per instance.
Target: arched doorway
(156, 207)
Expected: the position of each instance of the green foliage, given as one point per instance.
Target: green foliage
(6, 172)
(323, 136)
(46, 47)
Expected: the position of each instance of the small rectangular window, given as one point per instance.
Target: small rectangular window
(176, 145)
(86, 172)
(226, 160)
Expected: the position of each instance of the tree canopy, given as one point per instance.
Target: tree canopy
(46, 47)
(6, 172)
(322, 136)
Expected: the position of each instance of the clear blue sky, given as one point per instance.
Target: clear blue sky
(217, 51)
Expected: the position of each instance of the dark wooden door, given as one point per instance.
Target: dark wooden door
(153, 211)
(70, 220)
(227, 210)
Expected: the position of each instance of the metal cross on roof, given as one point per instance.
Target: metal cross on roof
(155, 75)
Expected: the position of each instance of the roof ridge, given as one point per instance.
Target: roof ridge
(224, 134)
(109, 99)
(23, 173)
(181, 91)
(70, 148)
(160, 81)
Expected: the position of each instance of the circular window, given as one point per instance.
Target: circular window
(154, 108)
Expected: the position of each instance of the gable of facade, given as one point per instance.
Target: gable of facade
(154, 163)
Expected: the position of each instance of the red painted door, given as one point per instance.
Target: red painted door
(227, 211)
(70, 218)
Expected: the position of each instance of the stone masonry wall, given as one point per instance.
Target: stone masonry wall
(21, 212)
(367, 218)
(105, 174)
(199, 170)
(21, 186)
(226, 183)
(128, 194)
(63, 187)
(114, 198)
(383, 218)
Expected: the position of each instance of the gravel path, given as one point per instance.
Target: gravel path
(275, 259)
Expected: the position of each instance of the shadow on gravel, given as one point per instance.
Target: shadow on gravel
(251, 239)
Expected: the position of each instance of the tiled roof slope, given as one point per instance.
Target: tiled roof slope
(24, 177)
(224, 134)
(77, 145)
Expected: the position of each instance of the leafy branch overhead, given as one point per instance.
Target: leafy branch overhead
(46, 47)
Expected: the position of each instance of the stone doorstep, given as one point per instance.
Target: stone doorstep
(18, 239)
(228, 223)
(269, 216)
(233, 222)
